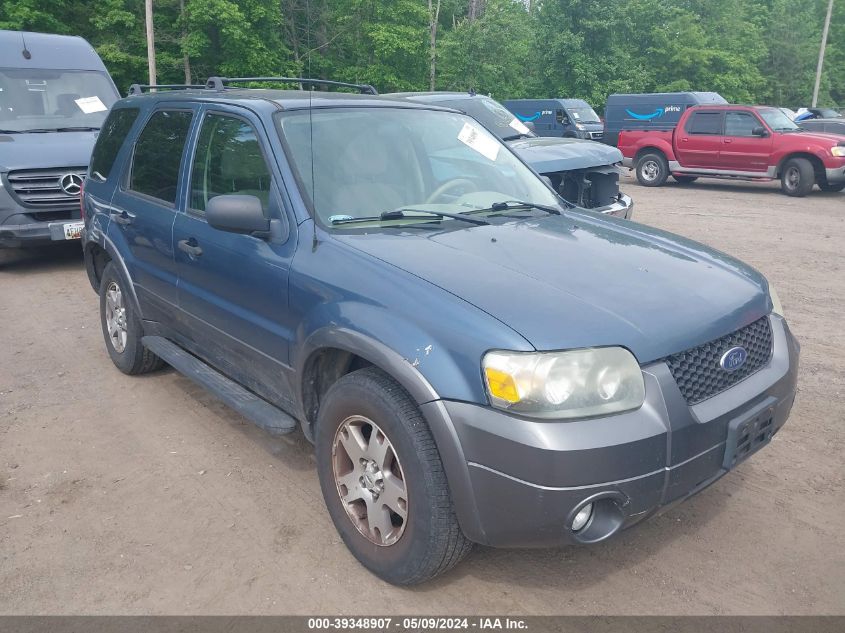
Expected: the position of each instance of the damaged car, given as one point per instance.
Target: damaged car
(585, 173)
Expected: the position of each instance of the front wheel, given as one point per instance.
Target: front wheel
(383, 481)
(797, 178)
(652, 170)
(828, 187)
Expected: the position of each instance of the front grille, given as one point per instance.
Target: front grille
(596, 135)
(39, 191)
(697, 370)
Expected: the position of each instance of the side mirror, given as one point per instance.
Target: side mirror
(759, 131)
(237, 213)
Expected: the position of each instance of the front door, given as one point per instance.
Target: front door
(144, 209)
(742, 149)
(233, 288)
(699, 142)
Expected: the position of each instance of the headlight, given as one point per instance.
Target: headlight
(777, 306)
(839, 150)
(573, 384)
(579, 126)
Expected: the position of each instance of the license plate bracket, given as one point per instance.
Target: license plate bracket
(748, 434)
(66, 230)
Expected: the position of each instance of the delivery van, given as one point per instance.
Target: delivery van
(55, 94)
(566, 118)
(654, 111)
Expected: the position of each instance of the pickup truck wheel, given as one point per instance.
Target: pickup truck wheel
(652, 170)
(797, 178)
(684, 180)
(828, 187)
(122, 328)
(383, 481)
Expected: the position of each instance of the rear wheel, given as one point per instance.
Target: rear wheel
(383, 481)
(122, 327)
(797, 178)
(684, 180)
(828, 187)
(652, 169)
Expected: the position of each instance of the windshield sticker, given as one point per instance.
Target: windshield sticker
(90, 105)
(476, 139)
(576, 115)
(519, 126)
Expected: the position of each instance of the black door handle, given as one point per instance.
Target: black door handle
(191, 247)
(123, 218)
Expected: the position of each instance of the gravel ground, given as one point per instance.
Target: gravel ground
(145, 495)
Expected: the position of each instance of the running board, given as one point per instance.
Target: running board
(255, 409)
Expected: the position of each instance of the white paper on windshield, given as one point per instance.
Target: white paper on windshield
(91, 104)
(519, 126)
(485, 145)
(576, 115)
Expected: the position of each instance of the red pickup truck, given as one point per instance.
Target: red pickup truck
(740, 142)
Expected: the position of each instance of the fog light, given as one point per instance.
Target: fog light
(582, 518)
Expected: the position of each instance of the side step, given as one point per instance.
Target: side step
(256, 409)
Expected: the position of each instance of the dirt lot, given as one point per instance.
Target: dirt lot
(146, 495)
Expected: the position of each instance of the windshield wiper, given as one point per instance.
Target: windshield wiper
(515, 137)
(515, 205)
(399, 214)
(47, 130)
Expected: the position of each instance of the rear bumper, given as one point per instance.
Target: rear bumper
(518, 482)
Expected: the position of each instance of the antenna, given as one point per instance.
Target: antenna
(25, 52)
(311, 125)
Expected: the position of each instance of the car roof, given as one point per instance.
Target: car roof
(281, 99)
(434, 97)
(47, 51)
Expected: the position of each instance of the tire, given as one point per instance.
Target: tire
(368, 405)
(797, 177)
(684, 180)
(652, 169)
(123, 340)
(832, 188)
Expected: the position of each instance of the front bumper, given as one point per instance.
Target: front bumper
(518, 482)
(835, 175)
(622, 208)
(33, 233)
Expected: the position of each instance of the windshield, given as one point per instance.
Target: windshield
(36, 99)
(492, 115)
(368, 161)
(777, 120)
(583, 115)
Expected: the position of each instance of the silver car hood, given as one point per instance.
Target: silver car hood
(548, 155)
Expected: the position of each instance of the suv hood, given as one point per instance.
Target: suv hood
(46, 150)
(584, 280)
(547, 155)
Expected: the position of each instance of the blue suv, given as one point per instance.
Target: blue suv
(475, 360)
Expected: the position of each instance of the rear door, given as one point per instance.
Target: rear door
(699, 142)
(144, 209)
(742, 150)
(233, 288)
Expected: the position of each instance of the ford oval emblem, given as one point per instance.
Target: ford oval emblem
(733, 359)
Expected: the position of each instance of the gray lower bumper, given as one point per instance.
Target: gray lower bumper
(33, 234)
(517, 482)
(836, 175)
(622, 208)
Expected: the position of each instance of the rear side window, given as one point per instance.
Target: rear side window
(111, 138)
(705, 123)
(741, 124)
(158, 154)
(228, 160)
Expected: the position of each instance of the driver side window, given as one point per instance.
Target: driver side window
(561, 117)
(228, 160)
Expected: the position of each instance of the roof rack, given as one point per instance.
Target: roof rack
(138, 89)
(220, 83)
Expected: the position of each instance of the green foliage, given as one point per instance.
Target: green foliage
(757, 51)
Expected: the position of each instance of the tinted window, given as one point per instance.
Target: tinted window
(110, 140)
(158, 153)
(740, 124)
(705, 123)
(228, 160)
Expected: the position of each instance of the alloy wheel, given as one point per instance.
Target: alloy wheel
(116, 317)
